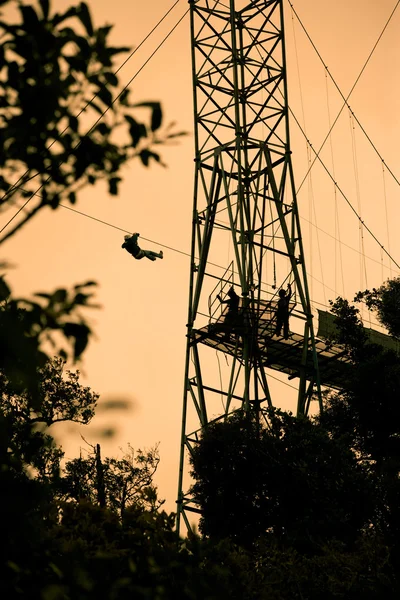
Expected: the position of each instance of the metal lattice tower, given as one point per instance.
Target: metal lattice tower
(245, 220)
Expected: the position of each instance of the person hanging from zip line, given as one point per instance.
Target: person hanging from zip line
(131, 245)
(232, 315)
(282, 312)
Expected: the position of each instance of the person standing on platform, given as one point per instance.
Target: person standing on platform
(232, 314)
(282, 312)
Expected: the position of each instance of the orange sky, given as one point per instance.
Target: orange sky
(140, 332)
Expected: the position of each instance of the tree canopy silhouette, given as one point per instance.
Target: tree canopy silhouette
(65, 121)
(290, 480)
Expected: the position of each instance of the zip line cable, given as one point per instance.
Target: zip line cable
(143, 238)
(125, 230)
(101, 116)
(188, 255)
(345, 99)
(324, 305)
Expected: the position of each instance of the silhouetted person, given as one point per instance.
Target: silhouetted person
(232, 314)
(282, 313)
(131, 245)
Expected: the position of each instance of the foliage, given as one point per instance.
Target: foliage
(92, 554)
(245, 475)
(385, 303)
(57, 74)
(277, 571)
(27, 327)
(294, 509)
(30, 462)
(366, 412)
(123, 482)
(350, 330)
(25, 421)
(64, 544)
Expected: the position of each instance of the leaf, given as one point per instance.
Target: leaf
(81, 334)
(156, 118)
(72, 197)
(73, 123)
(30, 18)
(178, 134)
(102, 32)
(136, 130)
(145, 156)
(59, 296)
(56, 570)
(105, 95)
(85, 18)
(114, 404)
(81, 341)
(59, 18)
(84, 47)
(111, 79)
(81, 298)
(55, 201)
(77, 64)
(113, 185)
(89, 283)
(112, 51)
(44, 5)
(95, 106)
(124, 98)
(147, 104)
(103, 128)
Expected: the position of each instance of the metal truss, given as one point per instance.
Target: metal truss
(244, 199)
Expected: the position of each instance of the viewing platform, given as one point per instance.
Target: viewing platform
(283, 355)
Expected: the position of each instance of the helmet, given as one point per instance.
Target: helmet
(127, 237)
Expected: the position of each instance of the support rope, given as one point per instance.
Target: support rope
(345, 99)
